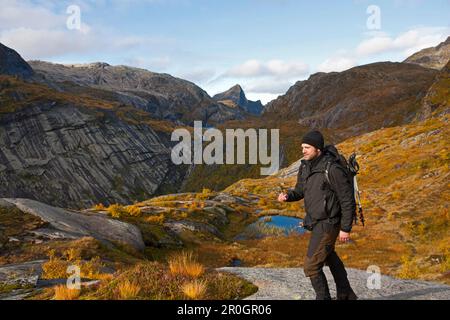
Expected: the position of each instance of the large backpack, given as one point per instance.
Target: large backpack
(351, 168)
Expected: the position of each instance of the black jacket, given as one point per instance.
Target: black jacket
(335, 202)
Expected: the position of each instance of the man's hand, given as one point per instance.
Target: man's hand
(344, 236)
(282, 197)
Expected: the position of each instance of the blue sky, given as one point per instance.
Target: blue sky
(264, 45)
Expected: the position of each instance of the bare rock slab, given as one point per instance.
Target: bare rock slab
(76, 224)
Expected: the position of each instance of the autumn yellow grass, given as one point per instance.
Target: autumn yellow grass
(195, 289)
(57, 266)
(155, 281)
(128, 290)
(185, 263)
(62, 292)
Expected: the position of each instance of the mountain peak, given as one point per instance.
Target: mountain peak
(11, 63)
(235, 96)
(235, 93)
(434, 57)
(236, 87)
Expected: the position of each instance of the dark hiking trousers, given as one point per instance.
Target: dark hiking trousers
(321, 252)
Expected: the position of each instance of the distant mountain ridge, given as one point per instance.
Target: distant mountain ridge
(164, 96)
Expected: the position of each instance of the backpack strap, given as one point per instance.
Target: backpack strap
(327, 173)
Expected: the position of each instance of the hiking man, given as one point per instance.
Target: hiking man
(330, 207)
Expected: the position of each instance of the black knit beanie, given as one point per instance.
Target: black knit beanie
(314, 138)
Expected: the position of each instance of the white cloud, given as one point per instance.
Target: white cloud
(35, 31)
(273, 68)
(287, 68)
(15, 14)
(338, 63)
(33, 43)
(377, 43)
(198, 76)
(270, 86)
(406, 43)
(157, 64)
(41, 43)
(264, 97)
(250, 68)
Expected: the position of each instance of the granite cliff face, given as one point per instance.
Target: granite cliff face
(73, 152)
(162, 95)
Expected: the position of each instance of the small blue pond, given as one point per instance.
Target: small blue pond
(272, 226)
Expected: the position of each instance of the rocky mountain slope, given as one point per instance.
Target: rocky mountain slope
(437, 100)
(358, 100)
(434, 57)
(162, 95)
(235, 96)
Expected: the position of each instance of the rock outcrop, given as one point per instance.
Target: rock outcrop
(73, 224)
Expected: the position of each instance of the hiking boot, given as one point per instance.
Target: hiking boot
(320, 285)
(348, 295)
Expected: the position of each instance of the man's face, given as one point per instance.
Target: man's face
(309, 152)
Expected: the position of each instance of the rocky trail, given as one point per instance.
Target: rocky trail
(291, 284)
